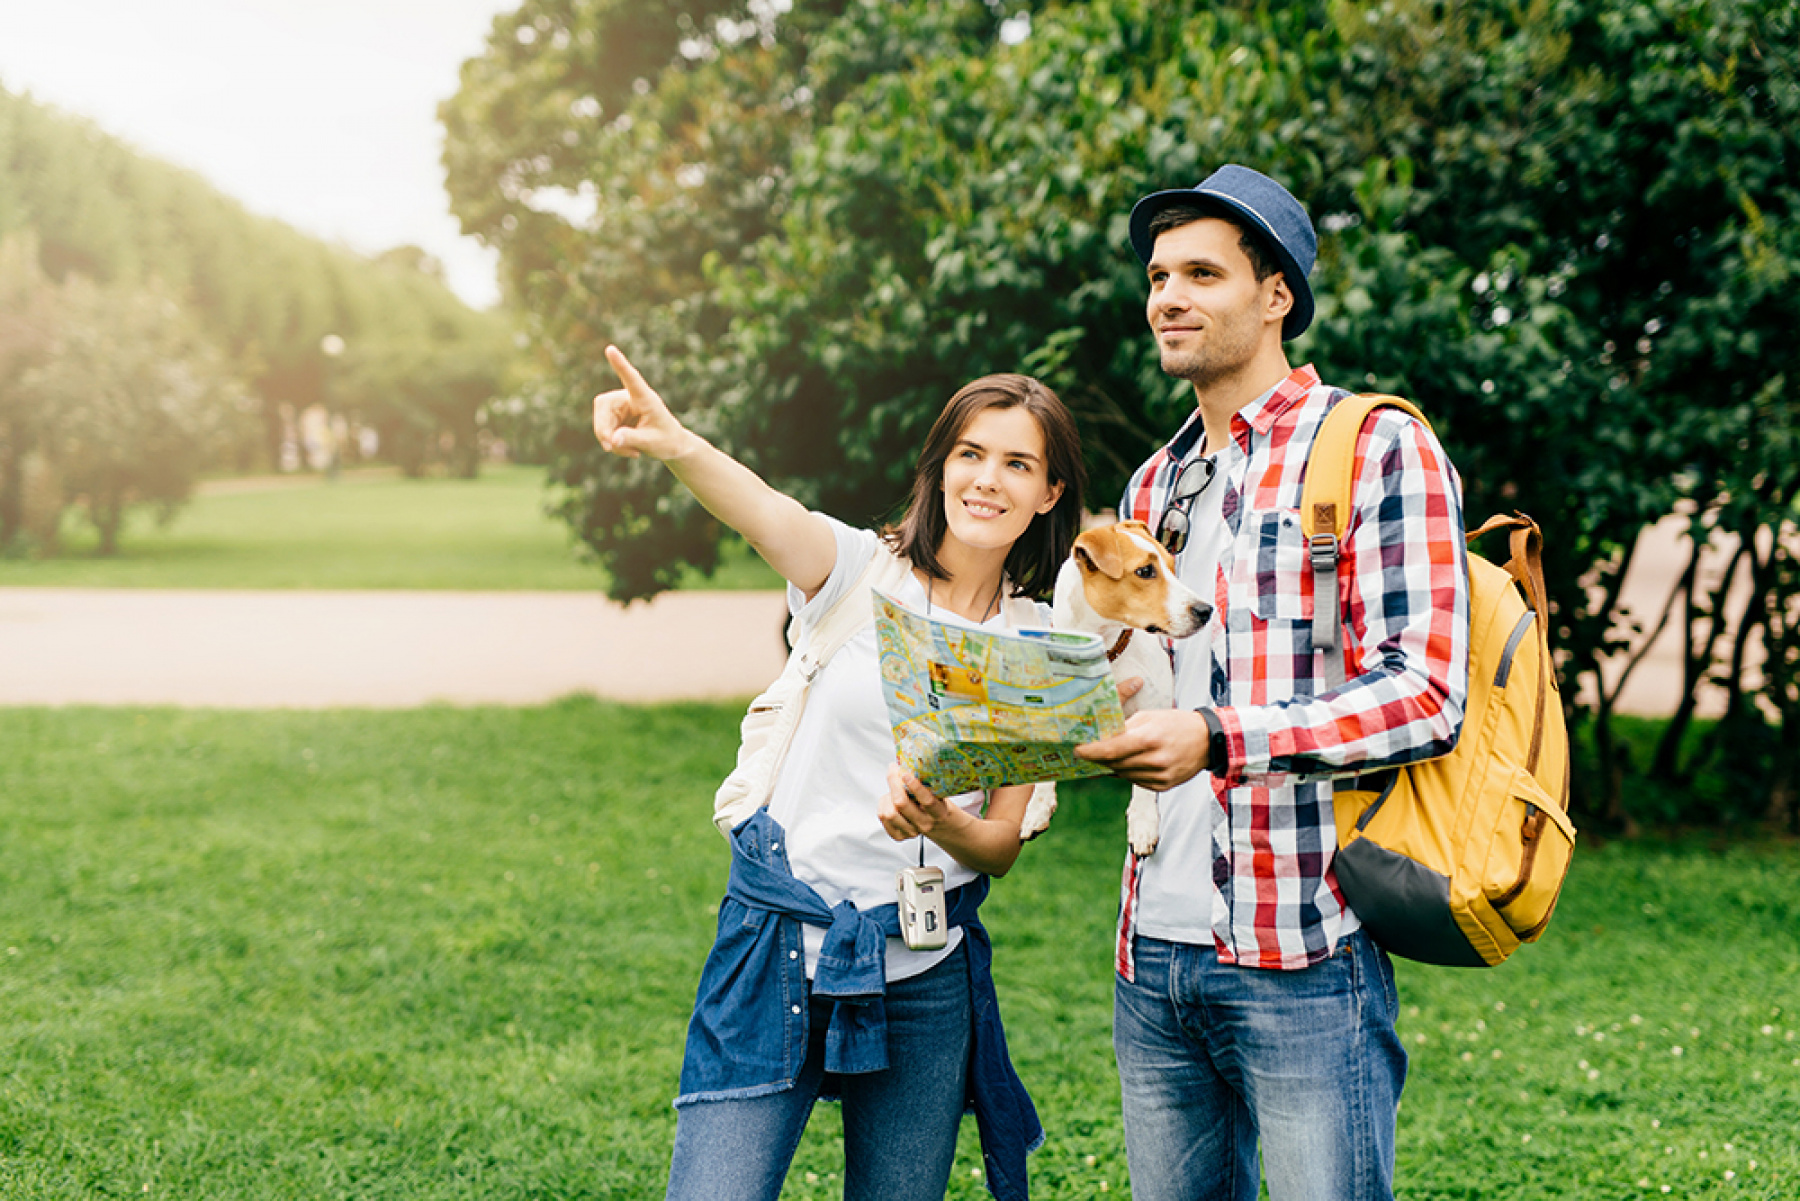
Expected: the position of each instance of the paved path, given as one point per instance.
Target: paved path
(379, 649)
(392, 649)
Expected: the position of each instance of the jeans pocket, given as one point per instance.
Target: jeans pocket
(1374, 970)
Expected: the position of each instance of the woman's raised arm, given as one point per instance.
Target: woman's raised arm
(633, 420)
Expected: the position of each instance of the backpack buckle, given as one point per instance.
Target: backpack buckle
(1322, 551)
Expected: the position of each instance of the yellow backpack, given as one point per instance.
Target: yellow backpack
(1459, 859)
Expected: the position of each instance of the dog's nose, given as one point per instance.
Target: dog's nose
(1201, 612)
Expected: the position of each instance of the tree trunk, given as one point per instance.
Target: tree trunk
(1696, 658)
(274, 432)
(1751, 617)
(1611, 761)
(1604, 744)
(12, 488)
(42, 503)
(1606, 749)
(1783, 814)
(109, 514)
(465, 458)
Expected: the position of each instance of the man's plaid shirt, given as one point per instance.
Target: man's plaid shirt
(1403, 576)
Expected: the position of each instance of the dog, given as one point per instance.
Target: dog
(1120, 583)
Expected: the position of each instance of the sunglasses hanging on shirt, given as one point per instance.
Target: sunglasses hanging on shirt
(1190, 482)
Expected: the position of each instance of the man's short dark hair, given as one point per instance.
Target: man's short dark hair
(1177, 215)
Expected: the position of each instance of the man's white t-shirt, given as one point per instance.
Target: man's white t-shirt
(835, 773)
(1177, 880)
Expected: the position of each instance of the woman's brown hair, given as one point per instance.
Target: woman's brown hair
(1038, 555)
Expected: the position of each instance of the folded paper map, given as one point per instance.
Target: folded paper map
(975, 709)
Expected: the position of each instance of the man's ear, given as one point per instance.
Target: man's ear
(1281, 299)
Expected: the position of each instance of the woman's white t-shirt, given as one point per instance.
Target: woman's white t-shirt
(835, 773)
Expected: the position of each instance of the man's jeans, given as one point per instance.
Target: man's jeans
(900, 1125)
(1214, 1057)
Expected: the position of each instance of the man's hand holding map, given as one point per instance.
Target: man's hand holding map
(977, 709)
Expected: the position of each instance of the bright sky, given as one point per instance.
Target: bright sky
(322, 113)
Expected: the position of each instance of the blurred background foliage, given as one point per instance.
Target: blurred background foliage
(151, 329)
(1565, 227)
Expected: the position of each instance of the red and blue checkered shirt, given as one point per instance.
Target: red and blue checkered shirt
(1272, 894)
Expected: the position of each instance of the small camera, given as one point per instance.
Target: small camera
(922, 922)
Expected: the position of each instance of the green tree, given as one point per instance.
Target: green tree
(1612, 184)
(425, 400)
(266, 295)
(617, 153)
(131, 396)
(26, 299)
(1564, 226)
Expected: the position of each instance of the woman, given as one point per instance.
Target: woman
(780, 1020)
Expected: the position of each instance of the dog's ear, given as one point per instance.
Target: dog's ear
(1099, 550)
(1138, 530)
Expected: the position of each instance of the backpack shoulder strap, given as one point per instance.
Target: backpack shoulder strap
(768, 728)
(1325, 508)
(1331, 466)
(853, 610)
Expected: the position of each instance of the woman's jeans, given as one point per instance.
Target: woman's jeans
(1214, 1057)
(900, 1125)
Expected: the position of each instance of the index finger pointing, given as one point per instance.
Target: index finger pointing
(628, 375)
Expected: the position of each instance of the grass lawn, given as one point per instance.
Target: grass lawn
(449, 953)
(360, 531)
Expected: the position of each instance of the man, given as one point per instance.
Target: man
(1250, 1007)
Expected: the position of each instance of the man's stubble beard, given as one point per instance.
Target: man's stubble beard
(1207, 366)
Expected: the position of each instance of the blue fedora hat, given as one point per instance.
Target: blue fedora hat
(1271, 210)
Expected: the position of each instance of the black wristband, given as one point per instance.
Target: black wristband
(1218, 750)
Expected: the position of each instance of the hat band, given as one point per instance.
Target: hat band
(1246, 206)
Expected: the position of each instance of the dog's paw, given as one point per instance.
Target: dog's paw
(1038, 812)
(1143, 823)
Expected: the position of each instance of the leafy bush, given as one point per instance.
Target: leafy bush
(1566, 227)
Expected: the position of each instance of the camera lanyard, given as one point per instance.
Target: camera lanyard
(993, 604)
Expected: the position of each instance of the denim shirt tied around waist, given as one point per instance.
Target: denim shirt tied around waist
(748, 1034)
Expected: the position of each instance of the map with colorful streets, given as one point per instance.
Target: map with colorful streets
(977, 709)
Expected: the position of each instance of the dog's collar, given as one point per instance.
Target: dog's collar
(1118, 648)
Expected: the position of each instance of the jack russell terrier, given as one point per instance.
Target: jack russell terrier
(1120, 583)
